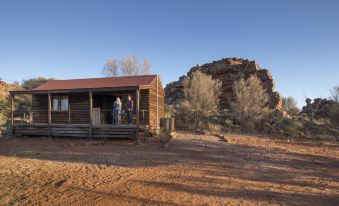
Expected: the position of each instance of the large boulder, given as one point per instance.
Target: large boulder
(228, 71)
(319, 108)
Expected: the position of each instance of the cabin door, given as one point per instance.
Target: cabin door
(96, 117)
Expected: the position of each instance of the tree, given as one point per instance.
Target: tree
(5, 103)
(335, 94)
(251, 101)
(201, 99)
(334, 111)
(24, 101)
(127, 66)
(32, 83)
(4, 112)
(290, 105)
(111, 68)
(146, 66)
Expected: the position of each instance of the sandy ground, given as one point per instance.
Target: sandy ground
(193, 170)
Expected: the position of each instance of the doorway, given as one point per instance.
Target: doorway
(103, 104)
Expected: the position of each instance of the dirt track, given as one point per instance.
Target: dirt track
(193, 170)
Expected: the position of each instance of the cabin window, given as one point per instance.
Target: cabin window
(55, 104)
(64, 103)
(60, 103)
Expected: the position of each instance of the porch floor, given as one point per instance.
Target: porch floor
(78, 130)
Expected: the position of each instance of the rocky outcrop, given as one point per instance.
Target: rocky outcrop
(320, 108)
(227, 71)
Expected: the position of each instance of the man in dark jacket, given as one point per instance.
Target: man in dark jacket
(129, 108)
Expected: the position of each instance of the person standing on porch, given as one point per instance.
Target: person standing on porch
(129, 108)
(116, 111)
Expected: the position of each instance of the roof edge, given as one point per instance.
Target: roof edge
(79, 90)
(144, 75)
(55, 81)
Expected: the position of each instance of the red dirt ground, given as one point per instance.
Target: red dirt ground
(193, 170)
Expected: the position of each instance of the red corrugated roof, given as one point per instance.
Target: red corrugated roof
(107, 82)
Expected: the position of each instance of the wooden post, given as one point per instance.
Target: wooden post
(90, 115)
(12, 113)
(137, 111)
(69, 112)
(49, 115)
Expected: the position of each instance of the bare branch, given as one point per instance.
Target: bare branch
(335, 94)
(128, 66)
(111, 68)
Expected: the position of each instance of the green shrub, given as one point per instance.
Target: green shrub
(163, 136)
(290, 105)
(228, 123)
(201, 101)
(214, 128)
(169, 110)
(293, 127)
(4, 113)
(323, 137)
(251, 103)
(334, 114)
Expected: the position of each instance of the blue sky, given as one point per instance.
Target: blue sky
(297, 40)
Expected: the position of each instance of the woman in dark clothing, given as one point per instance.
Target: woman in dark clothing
(129, 108)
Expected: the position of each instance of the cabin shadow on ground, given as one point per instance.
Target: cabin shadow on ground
(217, 163)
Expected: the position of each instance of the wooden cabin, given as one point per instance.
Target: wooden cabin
(84, 107)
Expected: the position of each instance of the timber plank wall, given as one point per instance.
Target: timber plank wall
(79, 103)
(40, 108)
(153, 103)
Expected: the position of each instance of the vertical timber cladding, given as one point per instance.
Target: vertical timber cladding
(78, 106)
(154, 98)
(40, 108)
(144, 107)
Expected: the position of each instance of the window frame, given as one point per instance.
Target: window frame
(59, 99)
